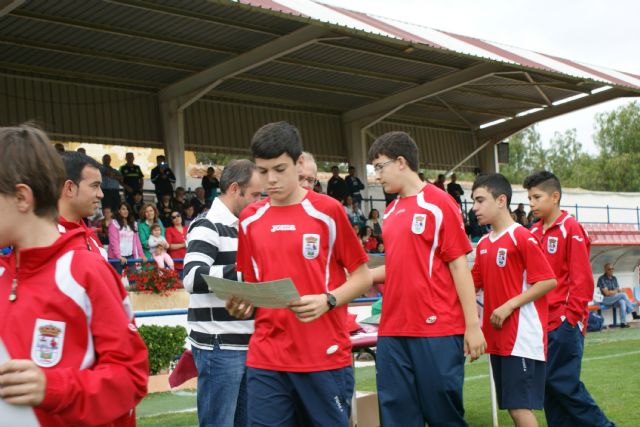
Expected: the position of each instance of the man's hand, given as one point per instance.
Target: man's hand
(123, 260)
(309, 307)
(239, 308)
(474, 343)
(22, 382)
(500, 314)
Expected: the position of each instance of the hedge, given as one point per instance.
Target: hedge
(164, 343)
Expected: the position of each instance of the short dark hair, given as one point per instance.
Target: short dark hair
(239, 171)
(29, 158)
(544, 180)
(394, 145)
(274, 139)
(495, 183)
(75, 162)
(154, 227)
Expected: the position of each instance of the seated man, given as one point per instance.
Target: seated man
(613, 295)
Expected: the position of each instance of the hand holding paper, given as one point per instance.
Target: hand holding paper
(275, 294)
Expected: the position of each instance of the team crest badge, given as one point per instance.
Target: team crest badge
(419, 221)
(48, 342)
(552, 245)
(501, 258)
(310, 245)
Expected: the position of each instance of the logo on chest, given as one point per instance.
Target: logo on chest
(552, 245)
(283, 227)
(310, 245)
(48, 342)
(418, 223)
(501, 257)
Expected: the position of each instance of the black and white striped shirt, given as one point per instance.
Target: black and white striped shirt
(212, 242)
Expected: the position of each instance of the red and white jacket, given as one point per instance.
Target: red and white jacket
(92, 243)
(566, 246)
(68, 318)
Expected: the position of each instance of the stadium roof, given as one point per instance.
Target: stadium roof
(97, 71)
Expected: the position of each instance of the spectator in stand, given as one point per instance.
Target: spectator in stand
(64, 301)
(354, 185)
(132, 178)
(151, 216)
(613, 295)
(389, 197)
(307, 171)
(354, 213)
(198, 202)
(375, 222)
(165, 206)
(422, 178)
(380, 248)
(188, 216)
(475, 230)
(82, 150)
(531, 219)
(111, 180)
(455, 189)
(336, 187)
(440, 182)
(177, 236)
(158, 246)
(103, 226)
(210, 184)
(521, 215)
(162, 177)
(369, 241)
(317, 187)
(124, 241)
(138, 201)
(179, 201)
(59, 147)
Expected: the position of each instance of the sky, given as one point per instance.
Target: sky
(595, 32)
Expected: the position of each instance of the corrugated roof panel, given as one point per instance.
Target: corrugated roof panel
(329, 78)
(80, 113)
(275, 92)
(439, 149)
(221, 126)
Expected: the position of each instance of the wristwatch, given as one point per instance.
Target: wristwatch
(331, 300)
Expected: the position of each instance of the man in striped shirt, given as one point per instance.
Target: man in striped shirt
(219, 341)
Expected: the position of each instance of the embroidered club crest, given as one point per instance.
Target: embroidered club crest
(48, 342)
(310, 245)
(501, 257)
(419, 221)
(552, 245)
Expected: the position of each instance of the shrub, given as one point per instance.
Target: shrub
(164, 343)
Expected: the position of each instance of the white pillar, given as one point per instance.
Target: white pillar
(173, 128)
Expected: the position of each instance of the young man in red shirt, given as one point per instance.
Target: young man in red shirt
(75, 356)
(515, 277)
(566, 246)
(299, 360)
(430, 320)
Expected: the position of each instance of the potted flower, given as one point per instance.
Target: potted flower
(151, 279)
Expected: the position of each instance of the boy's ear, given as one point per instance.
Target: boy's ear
(555, 196)
(24, 198)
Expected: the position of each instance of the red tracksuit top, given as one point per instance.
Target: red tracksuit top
(68, 318)
(566, 246)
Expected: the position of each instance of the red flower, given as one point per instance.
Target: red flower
(153, 280)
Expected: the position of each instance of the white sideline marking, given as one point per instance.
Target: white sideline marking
(471, 378)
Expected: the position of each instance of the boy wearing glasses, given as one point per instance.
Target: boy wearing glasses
(430, 321)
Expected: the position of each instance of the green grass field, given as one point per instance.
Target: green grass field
(610, 370)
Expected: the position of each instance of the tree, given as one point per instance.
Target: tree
(618, 131)
(526, 155)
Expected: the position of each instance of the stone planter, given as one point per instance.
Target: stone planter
(176, 299)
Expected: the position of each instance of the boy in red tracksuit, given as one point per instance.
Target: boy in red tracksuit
(75, 356)
(566, 246)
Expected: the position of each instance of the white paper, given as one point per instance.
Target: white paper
(12, 415)
(275, 294)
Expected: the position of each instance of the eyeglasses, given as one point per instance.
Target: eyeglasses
(307, 179)
(175, 216)
(378, 168)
